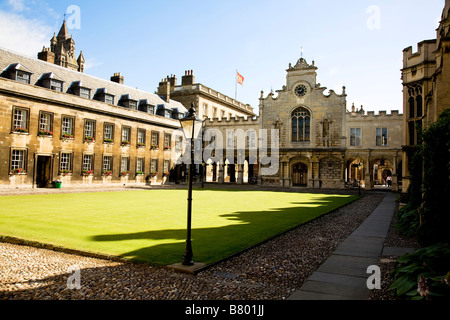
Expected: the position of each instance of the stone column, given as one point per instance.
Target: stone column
(240, 178)
(221, 176)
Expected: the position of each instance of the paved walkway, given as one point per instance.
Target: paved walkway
(343, 276)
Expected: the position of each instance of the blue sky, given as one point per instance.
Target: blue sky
(357, 44)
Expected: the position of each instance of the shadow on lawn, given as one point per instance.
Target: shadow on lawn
(215, 243)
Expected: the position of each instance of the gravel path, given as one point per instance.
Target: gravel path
(271, 271)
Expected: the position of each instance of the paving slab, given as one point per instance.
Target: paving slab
(343, 276)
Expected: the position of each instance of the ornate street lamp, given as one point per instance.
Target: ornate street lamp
(191, 126)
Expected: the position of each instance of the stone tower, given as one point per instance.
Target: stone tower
(62, 51)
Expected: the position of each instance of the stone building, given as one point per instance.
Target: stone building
(209, 103)
(59, 123)
(426, 87)
(320, 143)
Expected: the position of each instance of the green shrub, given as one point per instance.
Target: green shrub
(408, 221)
(424, 274)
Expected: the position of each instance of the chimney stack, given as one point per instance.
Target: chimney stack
(188, 78)
(164, 89)
(117, 78)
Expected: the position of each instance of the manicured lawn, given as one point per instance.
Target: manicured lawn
(150, 225)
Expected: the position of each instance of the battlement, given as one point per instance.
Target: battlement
(424, 53)
(371, 114)
(232, 121)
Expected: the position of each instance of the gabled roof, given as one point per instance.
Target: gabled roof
(39, 68)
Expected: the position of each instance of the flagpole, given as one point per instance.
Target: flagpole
(235, 90)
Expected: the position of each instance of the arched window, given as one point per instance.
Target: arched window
(419, 106)
(301, 124)
(411, 107)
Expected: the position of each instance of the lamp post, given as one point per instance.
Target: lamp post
(191, 126)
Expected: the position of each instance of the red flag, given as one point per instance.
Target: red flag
(240, 78)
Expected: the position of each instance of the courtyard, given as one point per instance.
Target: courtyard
(150, 225)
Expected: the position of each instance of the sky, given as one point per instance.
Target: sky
(356, 44)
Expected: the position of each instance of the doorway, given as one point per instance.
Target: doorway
(300, 175)
(43, 171)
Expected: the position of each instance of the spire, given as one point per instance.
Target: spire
(63, 32)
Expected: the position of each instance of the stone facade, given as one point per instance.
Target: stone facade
(426, 87)
(57, 123)
(319, 140)
(209, 103)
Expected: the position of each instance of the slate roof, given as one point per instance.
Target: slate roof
(38, 68)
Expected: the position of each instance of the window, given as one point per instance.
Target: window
(222, 114)
(85, 93)
(126, 135)
(140, 138)
(125, 165)
(18, 161)
(230, 138)
(411, 107)
(140, 167)
(214, 113)
(167, 141)
(382, 137)
(155, 140)
(65, 163)
(166, 167)
(23, 77)
(56, 85)
(301, 122)
(179, 144)
(419, 110)
(88, 164)
(251, 139)
(151, 109)
(133, 105)
(355, 137)
(154, 166)
(107, 165)
(20, 120)
(45, 124)
(89, 130)
(411, 130)
(205, 110)
(108, 133)
(67, 127)
(109, 98)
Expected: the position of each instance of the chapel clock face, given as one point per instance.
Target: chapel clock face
(300, 90)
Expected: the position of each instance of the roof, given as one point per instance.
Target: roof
(38, 68)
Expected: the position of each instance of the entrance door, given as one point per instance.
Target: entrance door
(300, 175)
(43, 171)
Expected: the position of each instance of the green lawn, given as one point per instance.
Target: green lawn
(150, 225)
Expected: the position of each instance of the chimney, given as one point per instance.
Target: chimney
(188, 78)
(164, 89)
(173, 81)
(117, 78)
(46, 55)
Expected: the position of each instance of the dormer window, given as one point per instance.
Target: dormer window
(144, 106)
(109, 98)
(103, 96)
(51, 81)
(78, 89)
(126, 102)
(18, 72)
(56, 85)
(23, 77)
